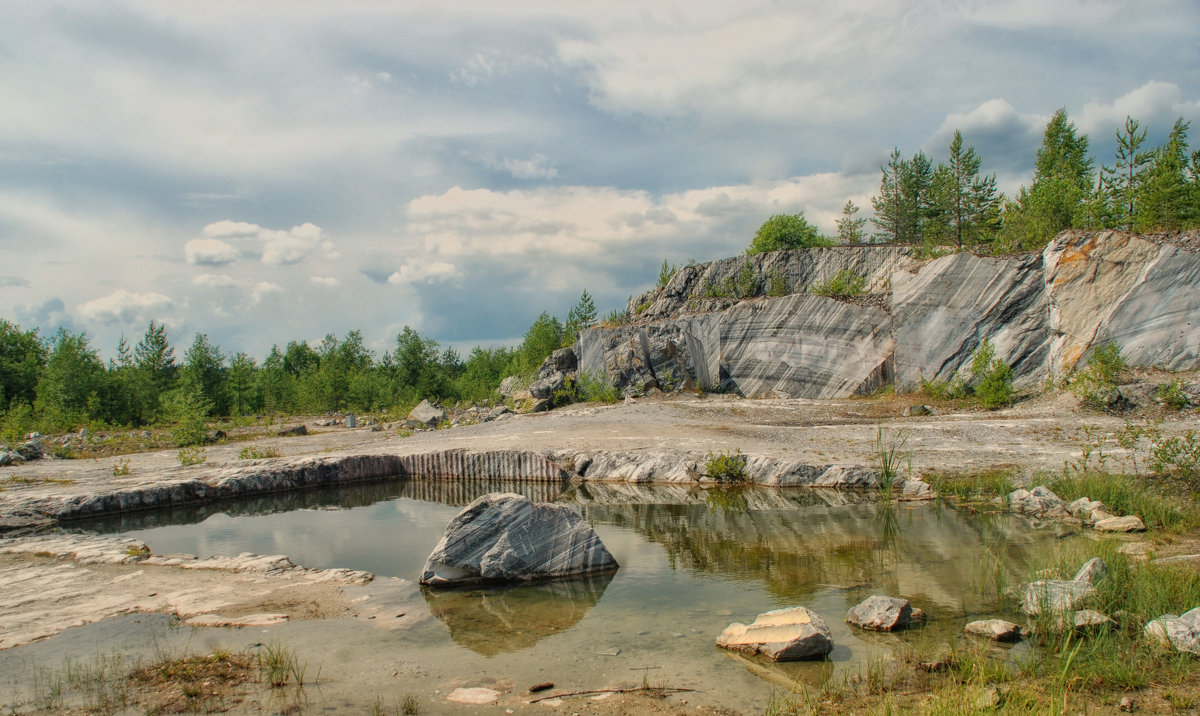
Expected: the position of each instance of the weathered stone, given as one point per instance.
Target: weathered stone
(1126, 289)
(510, 385)
(505, 537)
(880, 613)
(917, 410)
(1038, 502)
(1054, 596)
(1092, 570)
(994, 629)
(295, 431)
(497, 412)
(791, 634)
(1090, 621)
(1181, 632)
(1128, 523)
(427, 413)
(944, 309)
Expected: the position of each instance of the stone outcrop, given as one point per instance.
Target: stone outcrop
(427, 413)
(503, 537)
(1041, 502)
(1041, 312)
(880, 613)
(792, 634)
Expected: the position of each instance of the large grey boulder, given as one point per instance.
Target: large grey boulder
(427, 413)
(791, 634)
(505, 537)
(880, 613)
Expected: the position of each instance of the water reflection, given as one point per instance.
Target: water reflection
(446, 492)
(498, 620)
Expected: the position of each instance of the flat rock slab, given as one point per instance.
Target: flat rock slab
(1128, 523)
(792, 634)
(216, 620)
(478, 695)
(505, 537)
(1054, 596)
(994, 629)
(880, 613)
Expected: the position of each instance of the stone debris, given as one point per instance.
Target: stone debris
(792, 634)
(880, 613)
(506, 537)
(1041, 502)
(427, 414)
(994, 629)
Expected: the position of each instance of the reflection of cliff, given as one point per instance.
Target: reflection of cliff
(448, 492)
(498, 620)
(797, 541)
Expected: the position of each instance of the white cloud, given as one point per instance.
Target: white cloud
(537, 166)
(209, 252)
(327, 281)
(253, 291)
(276, 246)
(122, 306)
(428, 272)
(210, 280)
(262, 289)
(1154, 104)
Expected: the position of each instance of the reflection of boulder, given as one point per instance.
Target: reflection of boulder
(498, 620)
(505, 537)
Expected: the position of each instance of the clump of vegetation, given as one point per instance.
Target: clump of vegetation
(956, 387)
(726, 467)
(972, 487)
(280, 665)
(777, 284)
(891, 455)
(1171, 395)
(1096, 385)
(995, 376)
(595, 388)
(192, 455)
(665, 273)
(844, 284)
(121, 467)
(786, 231)
(253, 452)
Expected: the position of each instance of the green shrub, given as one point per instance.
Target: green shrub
(844, 285)
(192, 455)
(594, 387)
(777, 284)
(121, 467)
(746, 283)
(726, 467)
(995, 388)
(1171, 395)
(786, 231)
(253, 452)
(1096, 385)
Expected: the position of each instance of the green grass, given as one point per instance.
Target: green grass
(972, 487)
(1130, 495)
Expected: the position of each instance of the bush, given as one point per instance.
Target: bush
(845, 284)
(777, 284)
(995, 389)
(1096, 385)
(192, 455)
(666, 272)
(187, 409)
(594, 387)
(726, 467)
(786, 231)
(252, 452)
(1171, 395)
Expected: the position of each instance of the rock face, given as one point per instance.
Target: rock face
(880, 613)
(792, 634)
(713, 325)
(505, 537)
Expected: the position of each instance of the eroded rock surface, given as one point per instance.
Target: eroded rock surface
(791, 634)
(994, 629)
(1061, 596)
(1179, 631)
(505, 537)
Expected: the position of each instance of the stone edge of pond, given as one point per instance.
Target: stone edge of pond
(37, 510)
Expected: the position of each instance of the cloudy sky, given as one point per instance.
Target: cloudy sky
(273, 170)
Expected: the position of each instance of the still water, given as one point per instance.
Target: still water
(692, 561)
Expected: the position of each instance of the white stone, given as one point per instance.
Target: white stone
(791, 634)
(880, 613)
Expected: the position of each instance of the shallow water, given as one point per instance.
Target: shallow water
(692, 562)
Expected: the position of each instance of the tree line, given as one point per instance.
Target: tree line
(60, 383)
(954, 203)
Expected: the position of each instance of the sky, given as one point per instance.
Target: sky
(264, 171)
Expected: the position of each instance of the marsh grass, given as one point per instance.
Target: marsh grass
(972, 487)
(1129, 495)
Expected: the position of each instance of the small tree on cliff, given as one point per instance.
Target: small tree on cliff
(786, 231)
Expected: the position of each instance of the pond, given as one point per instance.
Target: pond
(692, 561)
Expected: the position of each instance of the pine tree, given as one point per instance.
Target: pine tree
(1165, 202)
(1122, 183)
(974, 210)
(850, 226)
(581, 317)
(1061, 193)
(887, 204)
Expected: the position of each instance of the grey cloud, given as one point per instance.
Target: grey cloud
(13, 282)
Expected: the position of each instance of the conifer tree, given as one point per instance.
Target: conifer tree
(1061, 193)
(1165, 194)
(850, 226)
(1122, 183)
